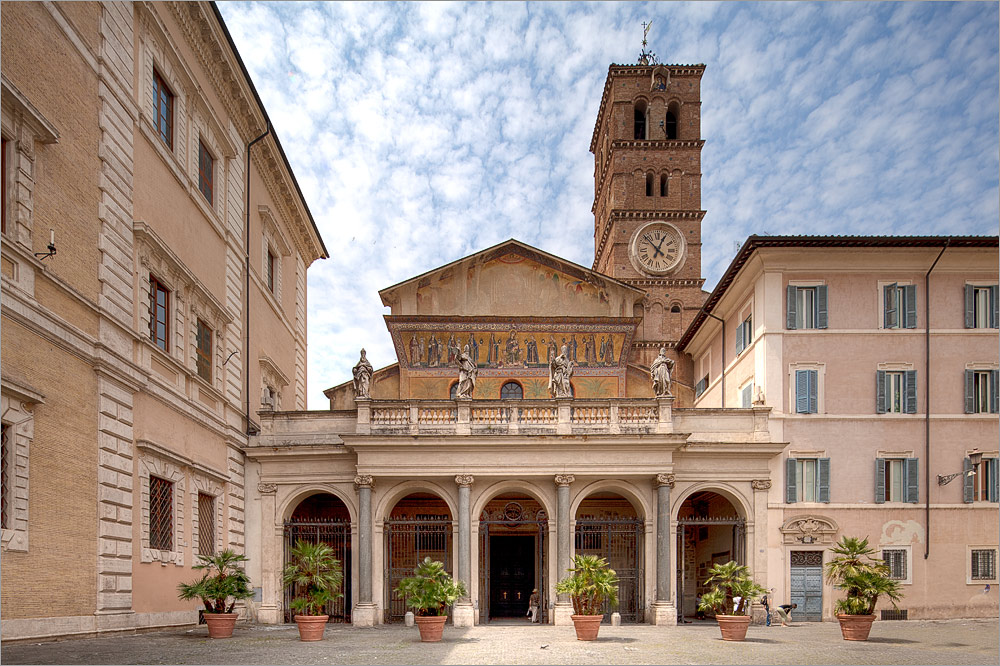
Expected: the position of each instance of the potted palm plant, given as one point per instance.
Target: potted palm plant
(222, 584)
(314, 576)
(731, 581)
(429, 591)
(591, 582)
(865, 579)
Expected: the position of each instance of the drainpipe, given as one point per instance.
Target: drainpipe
(722, 321)
(927, 400)
(251, 428)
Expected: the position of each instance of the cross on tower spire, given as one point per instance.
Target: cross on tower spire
(646, 57)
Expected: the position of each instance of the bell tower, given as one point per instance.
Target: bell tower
(647, 197)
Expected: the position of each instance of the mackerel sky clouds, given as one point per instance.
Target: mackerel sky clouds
(421, 133)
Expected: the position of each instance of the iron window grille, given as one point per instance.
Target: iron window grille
(5, 484)
(984, 564)
(206, 524)
(895, 559)
(161, 514)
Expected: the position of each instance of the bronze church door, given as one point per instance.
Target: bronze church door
(511, 559)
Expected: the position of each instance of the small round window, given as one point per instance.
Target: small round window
(511, 391)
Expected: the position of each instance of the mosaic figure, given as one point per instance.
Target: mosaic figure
(532, 351)
(414, 351)
(513, 349)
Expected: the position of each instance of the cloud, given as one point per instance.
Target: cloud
(423, 132)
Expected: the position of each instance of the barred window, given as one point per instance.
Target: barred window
(206, 524)
(895, 559)
(984, 564)
(206, 167)
(6, 482)
(161, 514)
(204, 351)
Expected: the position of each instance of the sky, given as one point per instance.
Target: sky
(421, 133)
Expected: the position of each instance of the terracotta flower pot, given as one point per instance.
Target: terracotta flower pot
(733, 627)
(856, 627)
(311, 626)
(587, 626)
(431, 627)
(220, 625)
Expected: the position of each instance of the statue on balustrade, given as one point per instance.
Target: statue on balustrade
(660, 372)
(560, 371)
(467, 374)
(362, 378)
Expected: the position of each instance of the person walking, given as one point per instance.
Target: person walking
(533, 605)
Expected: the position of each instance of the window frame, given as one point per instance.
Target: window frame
(203, 355)
(206, 536)
(800, 317)
(206, 172)
(971, 578)
(981, 304)
(982, 390)
(162, 92)
(895, 389)
(512, 383)
(156, 286)
(746, 395)
(17, 405)
(899, 305)
(796, 466)
(157, 483)
(269, 269)
(904, 554)
(744, 334)
(907, 479)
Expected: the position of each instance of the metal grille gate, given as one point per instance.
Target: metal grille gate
(337, 535)
(407, 543)
(512, 519)
(620, 542)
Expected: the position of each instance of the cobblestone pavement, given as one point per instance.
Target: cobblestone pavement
(909, 642)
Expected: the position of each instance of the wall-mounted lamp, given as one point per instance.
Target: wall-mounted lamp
(51, 248)
(975, 458)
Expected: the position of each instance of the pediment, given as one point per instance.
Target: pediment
(809, 529)
(512, 280)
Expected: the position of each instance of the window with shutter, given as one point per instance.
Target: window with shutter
(744, 334)
(980, 306)
(912, 480)
(746, 396)
(968, 481)
(823, 492)
(981, 391)
(701, 386)
(880, 481)
(909, 308)
(739, 339)
(791, 474)
(791, 313)
(910, 392)
(890, 314)
(899, 306)
(806, 391)
(984, 481)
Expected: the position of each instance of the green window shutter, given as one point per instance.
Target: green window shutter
(880, 391)
(994, 377)
(813, 391)
(890, 314)
(801, 391)
(970, 306)
(739, 339)
(880, 480)
(909, 308)
(968, 480)
(970, 404)
(821, 306)
(791, 492)
(993, 307)
(824, 479)
(994, 489)
(910, 391)
(792, 292)
(912, 480)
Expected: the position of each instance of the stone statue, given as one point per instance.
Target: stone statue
(560, 371)
(660, 372)
(362, 378)
(467, 374)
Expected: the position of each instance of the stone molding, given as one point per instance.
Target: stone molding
(564, 479)
(364, 481)
(664, 480)
(761, 484)
(153, 465)
(464, 479)
(267, 488)
(809, 529)
(19, 417)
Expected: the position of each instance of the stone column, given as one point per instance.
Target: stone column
(269, 611)
(756, 552)
(664, 610)
(564, 608)
(464, 614)
(364, 613)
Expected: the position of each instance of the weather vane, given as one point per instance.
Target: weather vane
(646, 57)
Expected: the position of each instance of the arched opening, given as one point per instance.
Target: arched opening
(453, 391)
(607, 525)
(418, 526)
(663, 184)
(670, 125)
(511, 391)
(675, 308)
(512, 530)
(649, 184)
(640, 120)
(322, 518)
(710, 530)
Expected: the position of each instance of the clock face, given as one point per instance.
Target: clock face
(657, 248)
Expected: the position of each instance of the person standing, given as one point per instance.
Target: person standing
(533, 605)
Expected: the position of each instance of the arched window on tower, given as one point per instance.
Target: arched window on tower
(649, 184)
(675, 309)
(511, 391)
(640, 120)
(671, 124)
(663, 184)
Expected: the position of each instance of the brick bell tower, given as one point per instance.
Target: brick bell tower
(647, 200)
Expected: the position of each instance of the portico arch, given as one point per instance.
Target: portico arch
(317, 515)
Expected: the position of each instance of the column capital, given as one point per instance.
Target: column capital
(664, 480)
(564, 479)
(267, 488)
(464, 480)
(364, 481)
(761, 484)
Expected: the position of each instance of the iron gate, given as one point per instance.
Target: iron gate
(337, 535)
(620, 542)
(407, 543)
(512, 519)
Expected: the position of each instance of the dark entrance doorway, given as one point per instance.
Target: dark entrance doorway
(322, 518)
(511, 557)
(512, 574)
(709, 531)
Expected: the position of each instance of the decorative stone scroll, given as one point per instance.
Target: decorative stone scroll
(761, 484)
(364, 481)
(564, 479)
(664, 480)
(267, 488)
(464, 479)
(809, 530)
